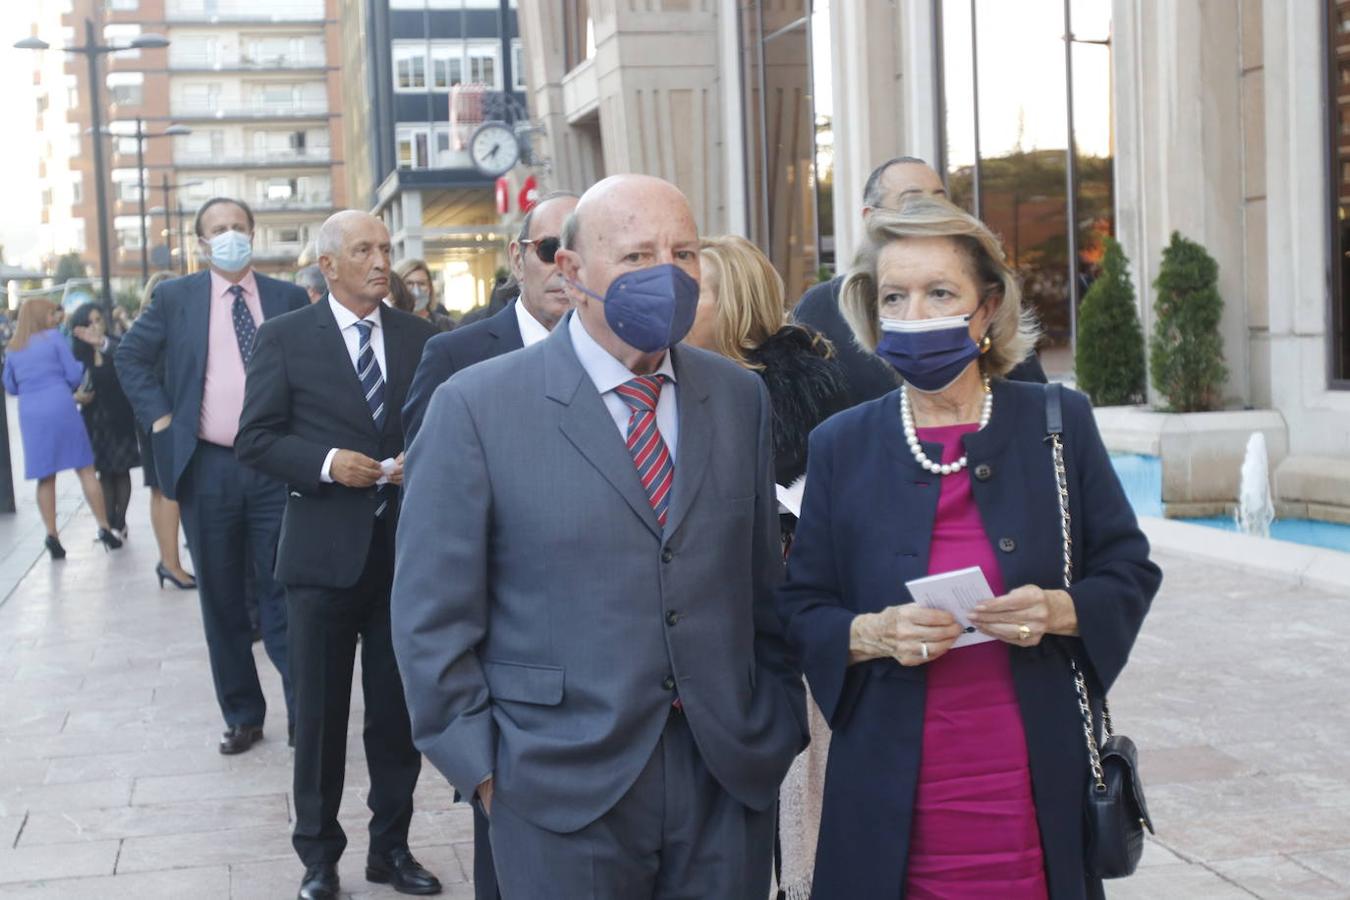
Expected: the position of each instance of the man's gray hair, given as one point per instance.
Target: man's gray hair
(328, 242)
(311, 278)
(872, 193)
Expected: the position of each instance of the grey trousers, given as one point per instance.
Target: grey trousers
(676, 835)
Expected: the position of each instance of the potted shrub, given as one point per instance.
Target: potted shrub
(1109, 357)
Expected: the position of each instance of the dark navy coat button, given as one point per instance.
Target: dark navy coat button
(984, 471)
(672, 617)
(669, 683)
(1007, 545)
(667, 555)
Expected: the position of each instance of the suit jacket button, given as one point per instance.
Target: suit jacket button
(669, 683)
(984, 471)
(667, 555)
(672, 617)
(1007, 545)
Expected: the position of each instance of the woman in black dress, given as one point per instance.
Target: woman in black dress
(107, 413)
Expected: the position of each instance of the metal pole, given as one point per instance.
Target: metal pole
(182, 236)
(508, 75)
(976, 194)
(1071, 181)
(168, 221)
(140, 190)
(91, 50)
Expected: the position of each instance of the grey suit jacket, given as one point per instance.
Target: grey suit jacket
(539, 611)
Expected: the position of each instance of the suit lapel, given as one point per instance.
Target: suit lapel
(586, 422)
(271, 303)
(398, 362)
(334, 347)
(691, 460)
(197, 320)
(504, 327)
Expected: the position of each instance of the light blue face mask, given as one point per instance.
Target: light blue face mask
(231, 251)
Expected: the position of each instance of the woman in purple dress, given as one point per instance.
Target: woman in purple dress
(958, 766)
(43, 373)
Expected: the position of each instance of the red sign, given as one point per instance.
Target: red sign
(529, 195)
(503, 196)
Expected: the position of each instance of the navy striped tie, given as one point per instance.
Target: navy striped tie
(372, 384)
(655, 467)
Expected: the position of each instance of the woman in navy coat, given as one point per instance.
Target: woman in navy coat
(956, 771)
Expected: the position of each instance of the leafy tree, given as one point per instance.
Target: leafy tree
(1187, 352)
(129, 299)
(1109, 359)
(70, 266)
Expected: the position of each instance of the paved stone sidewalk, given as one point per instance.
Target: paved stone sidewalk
(111, 787)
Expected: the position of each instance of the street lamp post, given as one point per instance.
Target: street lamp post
(141, 137)
(168, 222)
(92, 50)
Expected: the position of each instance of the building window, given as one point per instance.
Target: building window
(579, 32)
(518, 67)
(124, 5)
(482, 60)
(126, 88)
(127, 184)
(1338, 130)
(447, 65)
(413, 147)
(76, 188)
(410, 67)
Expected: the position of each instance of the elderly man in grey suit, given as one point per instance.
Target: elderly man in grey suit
(582, 604)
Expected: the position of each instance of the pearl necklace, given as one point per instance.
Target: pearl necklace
(911, 438)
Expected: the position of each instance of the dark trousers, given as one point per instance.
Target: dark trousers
(232, 519)
(484, 872)
(676, 835)
(324, 626)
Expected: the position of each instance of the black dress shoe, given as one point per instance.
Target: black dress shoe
(398, 869)
(320, 882)
(239, 738)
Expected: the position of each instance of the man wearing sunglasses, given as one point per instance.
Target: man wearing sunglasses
(541, 304)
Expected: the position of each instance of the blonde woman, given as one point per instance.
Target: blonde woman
(43, 373)
(742, 314)
(421, 289)
(966, 761)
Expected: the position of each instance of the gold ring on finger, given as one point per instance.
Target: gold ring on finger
(1023, 633)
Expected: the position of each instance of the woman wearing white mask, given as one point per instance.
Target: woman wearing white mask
(960, 745)
(422, 292)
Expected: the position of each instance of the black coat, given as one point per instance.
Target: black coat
(805, 386)
(302, 399)
(108, 417)
(868, 376)
(866, 528)
(445, 354)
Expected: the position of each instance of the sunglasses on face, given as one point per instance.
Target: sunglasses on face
(545, 248)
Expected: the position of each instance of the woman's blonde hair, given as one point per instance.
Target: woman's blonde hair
(1013, 331)
(156, 279)
(750, 297)
(35, 315)
(412, 264)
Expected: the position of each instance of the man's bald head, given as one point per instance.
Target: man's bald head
(628, 193)
(354, 256)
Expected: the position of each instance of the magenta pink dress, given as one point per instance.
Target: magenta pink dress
(974, 833)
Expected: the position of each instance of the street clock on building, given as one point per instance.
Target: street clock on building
(494, 148)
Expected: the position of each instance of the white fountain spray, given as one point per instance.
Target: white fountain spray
(1255, 510)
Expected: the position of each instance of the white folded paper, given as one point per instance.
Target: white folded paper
(790, 497)
(958, 593)
(387, 466)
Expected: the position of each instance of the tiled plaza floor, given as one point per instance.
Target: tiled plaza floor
(111, 787)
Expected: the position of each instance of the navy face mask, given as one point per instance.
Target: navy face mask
(928, 353)
(650, 309)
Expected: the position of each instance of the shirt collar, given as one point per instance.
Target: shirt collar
(220, 285)
(346, 318)
(532, 330)
(604, 370)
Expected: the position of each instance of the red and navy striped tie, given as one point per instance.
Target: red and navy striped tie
(651, 456)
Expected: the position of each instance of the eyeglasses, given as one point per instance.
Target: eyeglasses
(545, 248)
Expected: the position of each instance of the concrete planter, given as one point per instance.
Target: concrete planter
(1201, 453)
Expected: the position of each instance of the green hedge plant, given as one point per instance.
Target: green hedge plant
(1109, 357)
(1186, 351)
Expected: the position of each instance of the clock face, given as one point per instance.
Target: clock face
(493, 148)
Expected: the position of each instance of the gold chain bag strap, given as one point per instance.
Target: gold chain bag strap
(1116, 814)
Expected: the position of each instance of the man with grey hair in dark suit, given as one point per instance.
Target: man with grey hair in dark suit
(583, 610)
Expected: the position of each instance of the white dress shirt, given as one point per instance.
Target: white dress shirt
(531, 331)
(351, 335)
(607, 373)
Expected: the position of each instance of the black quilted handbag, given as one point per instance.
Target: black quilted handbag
(1116, 814)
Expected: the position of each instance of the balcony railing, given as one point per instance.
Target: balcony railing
(234, 11)
(249, 110)
(304, 202)
(245, 63)
(277, 158)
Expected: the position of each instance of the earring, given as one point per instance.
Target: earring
(986, 344)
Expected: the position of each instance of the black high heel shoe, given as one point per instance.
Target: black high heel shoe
(109, 540)
(54, 547)
(165, 575)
